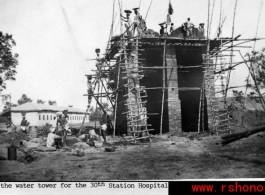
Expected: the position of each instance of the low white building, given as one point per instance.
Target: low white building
(40, 114)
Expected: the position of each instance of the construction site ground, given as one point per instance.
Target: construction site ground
(190, 156)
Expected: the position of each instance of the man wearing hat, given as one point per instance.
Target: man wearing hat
(188, 27)
(53, 139)
(61, 122)
(24, 123)
(171, 28)
(98, 59)
(128, 22)
(136, 20)
(201, 27)
(66, 118)
(162, 28)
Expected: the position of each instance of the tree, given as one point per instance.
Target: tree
(6, 101)
(8, 105)
(39, 101)
(8, 60)
(95, 113)
(52, 103)
(257, 61)
(24, 99)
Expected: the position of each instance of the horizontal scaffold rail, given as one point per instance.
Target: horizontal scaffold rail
(94, 94)
(179, 88)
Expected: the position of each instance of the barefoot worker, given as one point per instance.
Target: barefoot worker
(103, 122)
(53, 139)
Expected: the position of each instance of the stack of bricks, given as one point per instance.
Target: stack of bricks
(174, 106)
(209, 91)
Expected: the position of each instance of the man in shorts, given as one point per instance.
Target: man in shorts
(103, 122)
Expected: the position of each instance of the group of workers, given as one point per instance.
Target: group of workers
(58, 130)
(136, 27)
(186, 26)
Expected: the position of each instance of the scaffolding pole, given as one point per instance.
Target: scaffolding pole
(164, 85)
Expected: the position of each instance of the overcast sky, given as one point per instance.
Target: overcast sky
(55, 37)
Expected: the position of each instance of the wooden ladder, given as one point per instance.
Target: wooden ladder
(137, 113)
(215, 88)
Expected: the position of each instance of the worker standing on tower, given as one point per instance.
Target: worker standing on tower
(188, 27)
(171, 28)
(162, 30)
(128, 21)
(136, 20)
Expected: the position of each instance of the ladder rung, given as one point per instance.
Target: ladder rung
(138, 120)
(222, 125)
(136, 103)
(222, 114)
(142, 130)
(223, 130)
(223, 120)
(140, 125)
(220, 110)
(132, 139)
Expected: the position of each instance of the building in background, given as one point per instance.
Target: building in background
(40, 114)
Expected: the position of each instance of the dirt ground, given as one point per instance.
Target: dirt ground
(167, 158)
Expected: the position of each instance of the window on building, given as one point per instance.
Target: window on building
(39, 117)
(43, 117)
(51, 117)
(47, 117)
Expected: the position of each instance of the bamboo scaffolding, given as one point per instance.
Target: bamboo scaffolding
(164, 85)
(199, 120)
(255, 81)
(203, 104)
(116, 101)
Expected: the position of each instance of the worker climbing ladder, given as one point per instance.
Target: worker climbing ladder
(137, 113)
